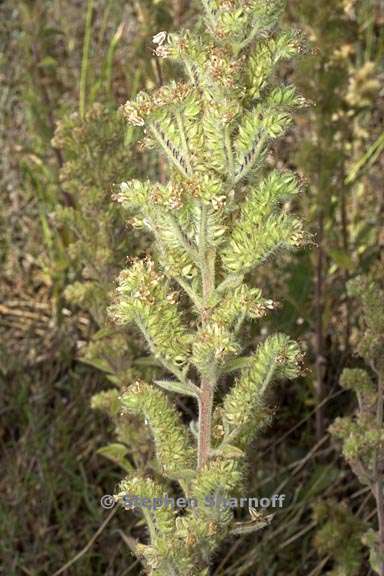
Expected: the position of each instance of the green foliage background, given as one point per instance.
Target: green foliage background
(65, 68)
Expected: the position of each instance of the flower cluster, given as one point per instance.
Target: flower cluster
(144, 298)
(174, 451)
(245, 408)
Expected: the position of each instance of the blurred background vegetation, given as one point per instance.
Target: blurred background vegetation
(65, 68)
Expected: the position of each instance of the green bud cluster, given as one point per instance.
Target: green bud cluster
(174, 450)
(245, 408)
(144, 298)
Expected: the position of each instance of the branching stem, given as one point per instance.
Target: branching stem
(205, 421)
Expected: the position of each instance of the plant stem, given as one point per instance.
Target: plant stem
(179, 9)
(205, 422)
(85, 58)
(378, 476)
(345, 243)
(368, 158)
(208, 380)
(150, 524)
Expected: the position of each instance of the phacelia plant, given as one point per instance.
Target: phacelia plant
(221, 214)
(362, 434)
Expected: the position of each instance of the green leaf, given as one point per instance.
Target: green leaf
(117, 453)
(321, 479)
(229, 451)
(48, 62)
(175, 386)
(147, 361)
(237, 364)
(114, 379)
(342, 259)
(99, 363)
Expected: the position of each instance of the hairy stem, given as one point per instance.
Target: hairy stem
(205, 422)
(151, 525)
(208, 380)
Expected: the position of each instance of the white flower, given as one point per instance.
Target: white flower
(160, 38)
(162, 51)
